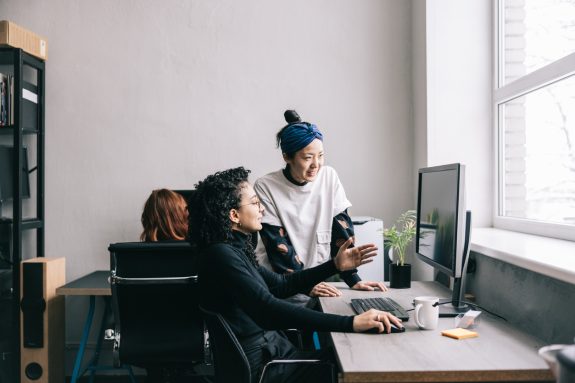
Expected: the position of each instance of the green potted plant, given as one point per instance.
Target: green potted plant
(396, 240)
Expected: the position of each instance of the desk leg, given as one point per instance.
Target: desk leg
(85, 334)
(94, 362)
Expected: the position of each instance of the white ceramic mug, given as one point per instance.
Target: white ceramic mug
(426, 312)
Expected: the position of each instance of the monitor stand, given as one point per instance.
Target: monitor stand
(446, 306)
(448, 310)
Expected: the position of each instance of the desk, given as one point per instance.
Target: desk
(92, 285)
(500, 353)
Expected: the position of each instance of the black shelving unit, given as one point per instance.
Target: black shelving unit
(26, 128)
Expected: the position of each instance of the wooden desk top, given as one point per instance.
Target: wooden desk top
(500, 353)
(95, 283)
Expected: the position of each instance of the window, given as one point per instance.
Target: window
(534, 101)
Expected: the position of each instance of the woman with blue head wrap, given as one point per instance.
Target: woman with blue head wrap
(296, 134)
(306, 218)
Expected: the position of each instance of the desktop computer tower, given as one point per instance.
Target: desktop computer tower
(42, 320)
(370, 230)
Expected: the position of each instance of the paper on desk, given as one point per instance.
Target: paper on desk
(459, 333)
(468, 320)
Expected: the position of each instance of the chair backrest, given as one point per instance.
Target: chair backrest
(155, 303)
(230, 362)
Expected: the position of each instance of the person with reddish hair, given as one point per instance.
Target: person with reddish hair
(165, 217)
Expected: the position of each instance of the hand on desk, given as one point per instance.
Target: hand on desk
(369, 286)
(375, 319)
(324, 290)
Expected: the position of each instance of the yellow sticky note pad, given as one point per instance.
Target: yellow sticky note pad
(459, 333)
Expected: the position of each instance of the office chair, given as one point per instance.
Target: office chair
(230, 362)
(158, 324)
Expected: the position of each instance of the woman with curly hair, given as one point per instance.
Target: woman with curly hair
(224, 213)
(165, 217)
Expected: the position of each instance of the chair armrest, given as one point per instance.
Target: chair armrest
(147, 281)
(290, 361)
(292, 333)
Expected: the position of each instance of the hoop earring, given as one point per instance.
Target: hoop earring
(239, 224)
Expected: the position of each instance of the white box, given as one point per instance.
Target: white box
(15, 36)
(370, 230)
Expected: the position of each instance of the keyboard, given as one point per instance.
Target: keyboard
(382, 304)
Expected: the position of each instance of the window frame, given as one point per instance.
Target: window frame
(540, 78)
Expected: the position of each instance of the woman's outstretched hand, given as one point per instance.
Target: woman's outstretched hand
(349, 259)
(374, 318)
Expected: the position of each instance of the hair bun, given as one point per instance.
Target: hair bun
(291, 116)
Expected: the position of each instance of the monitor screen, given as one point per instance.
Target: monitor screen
(441, 218)
(187, 194)
(7, 176)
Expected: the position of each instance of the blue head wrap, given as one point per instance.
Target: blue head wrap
(298, 136)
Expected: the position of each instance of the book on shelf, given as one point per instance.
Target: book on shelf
(29, 102)
(4, 99)
(11, 99)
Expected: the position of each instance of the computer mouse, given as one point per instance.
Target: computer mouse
(394, 330)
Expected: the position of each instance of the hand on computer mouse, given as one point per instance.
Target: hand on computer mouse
(394, 330)
(374, 319)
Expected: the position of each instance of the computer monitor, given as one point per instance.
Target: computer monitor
(443, 227)
(7, 175)
(187, 194)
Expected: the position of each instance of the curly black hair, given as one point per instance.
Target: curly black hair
(215, 196)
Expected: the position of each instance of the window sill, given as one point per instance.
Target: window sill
(548, 256)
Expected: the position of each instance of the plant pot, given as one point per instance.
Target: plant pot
(400, 276)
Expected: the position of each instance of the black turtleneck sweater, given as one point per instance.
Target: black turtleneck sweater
(251, 298)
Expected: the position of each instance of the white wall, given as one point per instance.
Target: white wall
(146, 94)
(459, 86)
(452, 91)
(420, 270)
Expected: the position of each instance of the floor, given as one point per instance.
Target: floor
(204, 371)
(126, 379)
(109, 379)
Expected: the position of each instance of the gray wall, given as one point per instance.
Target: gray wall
(541, 306)
(146, 94)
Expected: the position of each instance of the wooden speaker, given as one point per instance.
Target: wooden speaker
(42, 320)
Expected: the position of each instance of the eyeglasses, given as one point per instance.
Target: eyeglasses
(258, 203)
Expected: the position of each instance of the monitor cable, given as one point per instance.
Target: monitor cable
(474, 305)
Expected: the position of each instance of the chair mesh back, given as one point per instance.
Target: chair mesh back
(230, 362)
